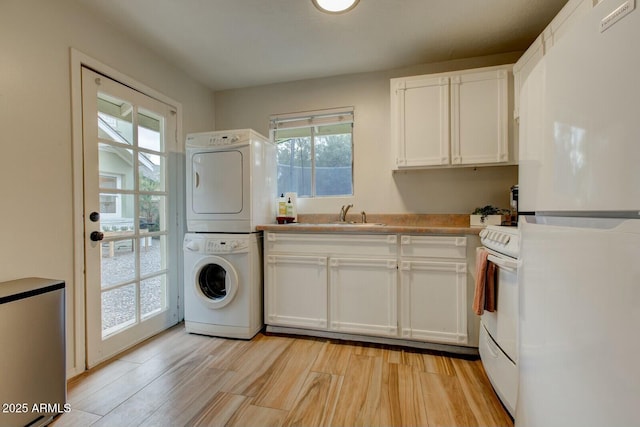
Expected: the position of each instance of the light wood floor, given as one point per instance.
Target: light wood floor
(180, 379)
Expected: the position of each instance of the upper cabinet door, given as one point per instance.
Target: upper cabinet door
(420, 121)
(453, 119)
(479, 118)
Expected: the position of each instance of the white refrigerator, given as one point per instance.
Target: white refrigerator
(579, 183)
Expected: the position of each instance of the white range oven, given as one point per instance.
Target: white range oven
(498, 344)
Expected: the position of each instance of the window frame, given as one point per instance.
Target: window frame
(312, 120)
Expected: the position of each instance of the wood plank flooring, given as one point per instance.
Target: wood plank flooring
(181, 379)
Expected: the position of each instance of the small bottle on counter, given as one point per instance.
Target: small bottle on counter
(282, 206)
(289, 209)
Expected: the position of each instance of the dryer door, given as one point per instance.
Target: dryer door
(218, 182)
(216, 282)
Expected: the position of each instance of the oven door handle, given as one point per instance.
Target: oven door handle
(506, 264)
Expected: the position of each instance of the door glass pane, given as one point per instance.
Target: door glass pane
(116, 214)
(151, 170)
(118, 309)
(149, 131)
(115, 119)
(115, 162)
(153, 258)
(153, 212)
(152, 295)
(213, 281)
(118, 261)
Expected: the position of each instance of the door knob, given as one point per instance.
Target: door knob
(94, 216)
(96, 236)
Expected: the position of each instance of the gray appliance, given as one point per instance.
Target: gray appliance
(32, 359)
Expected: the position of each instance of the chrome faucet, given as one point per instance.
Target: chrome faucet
(343, 212)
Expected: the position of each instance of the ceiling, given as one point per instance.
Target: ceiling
(229, 44)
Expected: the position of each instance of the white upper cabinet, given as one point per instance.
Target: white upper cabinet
(452, 119)
(420, 112)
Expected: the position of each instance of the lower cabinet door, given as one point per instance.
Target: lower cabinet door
(363, 296)
(296, 291)
(433, 301)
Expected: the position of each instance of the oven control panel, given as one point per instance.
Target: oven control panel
(505, 240)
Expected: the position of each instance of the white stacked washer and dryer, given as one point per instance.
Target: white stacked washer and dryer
(231, 186)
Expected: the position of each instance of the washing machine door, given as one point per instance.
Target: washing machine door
(216, 282)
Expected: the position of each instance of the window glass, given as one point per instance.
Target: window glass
(315, 153)
(334, 160)
(294, 161)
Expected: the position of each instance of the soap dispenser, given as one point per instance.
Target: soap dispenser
(289, 209)
(282, 206)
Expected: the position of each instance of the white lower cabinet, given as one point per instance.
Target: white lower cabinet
(338, 282)
(408, 287)
(296, 291)
(364, 296)
(433, 288)
(434, 301)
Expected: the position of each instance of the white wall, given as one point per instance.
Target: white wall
(36, 194)
(376, 189)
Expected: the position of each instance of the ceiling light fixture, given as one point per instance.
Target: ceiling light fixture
(335, 6)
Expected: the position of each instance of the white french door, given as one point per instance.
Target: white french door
(129, 216)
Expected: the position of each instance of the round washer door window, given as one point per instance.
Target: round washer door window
(216, 282)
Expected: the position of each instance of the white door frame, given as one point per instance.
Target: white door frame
(76, 314)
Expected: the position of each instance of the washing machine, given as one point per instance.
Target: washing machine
(223, 284)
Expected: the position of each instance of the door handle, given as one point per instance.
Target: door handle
(96, 236)
(503, 263)
(94, 216)
(197, 180)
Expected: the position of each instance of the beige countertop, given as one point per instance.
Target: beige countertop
(379, 223)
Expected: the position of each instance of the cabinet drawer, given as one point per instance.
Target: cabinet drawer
(332, 244)
(433, 246)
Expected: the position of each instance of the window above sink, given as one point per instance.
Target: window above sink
(315, 152)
